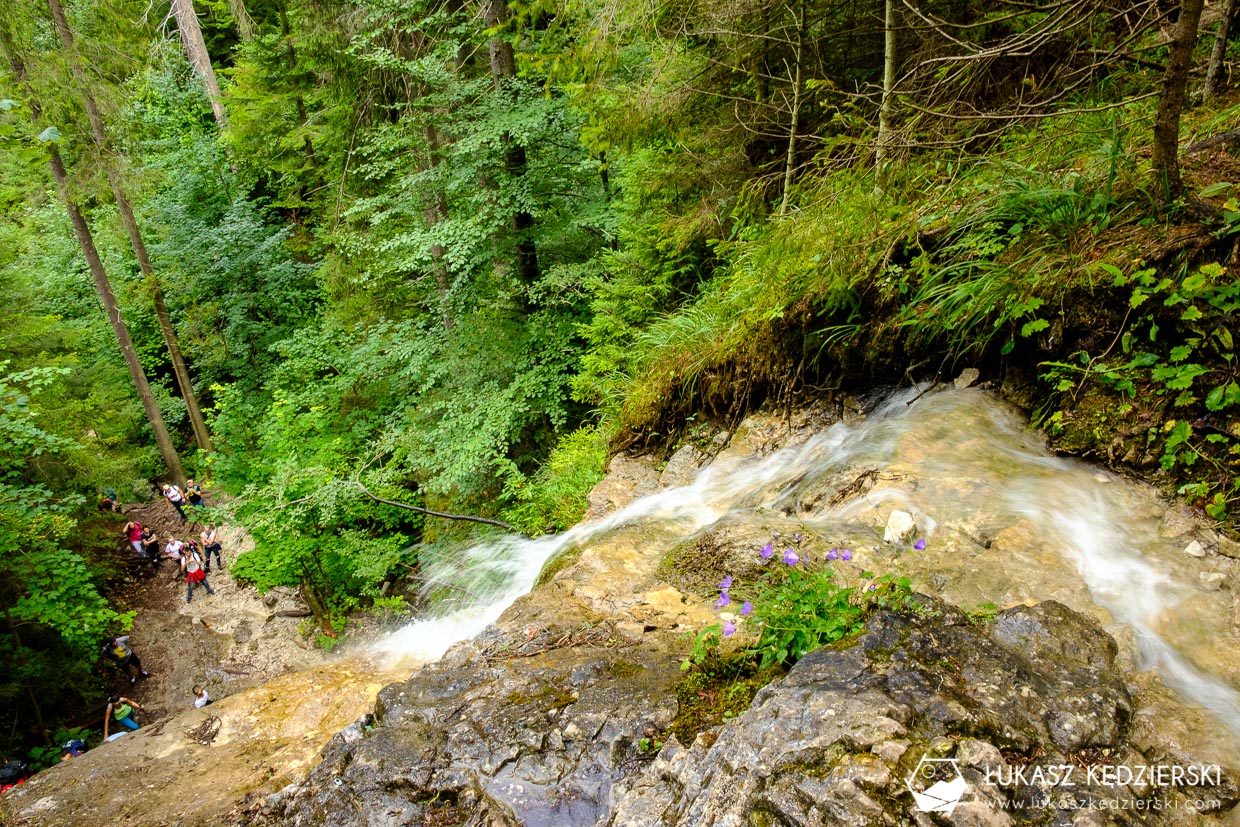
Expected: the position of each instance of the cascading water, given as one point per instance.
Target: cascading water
(963, 463)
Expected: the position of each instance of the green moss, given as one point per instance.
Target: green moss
(716, 692)
(694, 566)
(624, 669)
(546, 697)
(557, 564)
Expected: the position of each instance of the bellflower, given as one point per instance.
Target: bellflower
(726, 583)
(846, 555)
(791, 557)
(746, 608)
(723, 600)
(767, 551)
(920, 545)
(833, 554)
(728, 628)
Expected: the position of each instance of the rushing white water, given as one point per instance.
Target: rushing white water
(975, 461)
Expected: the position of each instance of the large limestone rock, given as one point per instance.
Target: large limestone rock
(546, 729)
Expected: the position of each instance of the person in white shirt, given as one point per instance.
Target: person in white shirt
(201, 698)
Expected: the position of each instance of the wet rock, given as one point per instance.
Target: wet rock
(1228, 547)
(967, 378)
(1195, 549)
(628, 479)
(683, 466)
(1212, 580)
(900, 526)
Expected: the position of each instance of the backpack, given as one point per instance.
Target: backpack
(14, 772)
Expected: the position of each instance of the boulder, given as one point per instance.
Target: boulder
(900, 526)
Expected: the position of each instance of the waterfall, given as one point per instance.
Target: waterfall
(955, 459)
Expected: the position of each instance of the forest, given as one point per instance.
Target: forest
(354, 262)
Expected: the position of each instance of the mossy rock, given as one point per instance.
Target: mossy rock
(557, 564)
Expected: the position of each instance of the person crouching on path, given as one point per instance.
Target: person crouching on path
(211, 545)
(191, 564)
(175, 551)
(120, 709)
(150, 544)
(117, 649)
(173, 494)
(133, 533)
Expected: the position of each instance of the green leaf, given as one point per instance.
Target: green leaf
(1181, 352)
(49, 135)
(1029, 328)
(1217, 188)
(1190, 314)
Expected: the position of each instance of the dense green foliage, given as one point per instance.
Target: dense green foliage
(448, 256)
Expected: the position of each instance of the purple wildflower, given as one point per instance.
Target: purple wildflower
(723, 600)
(791, 557)
(833, 554)
(728, 628)
(871, 588)
(920, 544)
(846, 555)
(767, 551)
(726, 583)
(746, 608)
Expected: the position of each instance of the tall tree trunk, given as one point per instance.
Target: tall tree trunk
(882, 152)
(790, 162)
(1171, 100)
(437, 211)
(1220, 48)
(303, 117)
(196, 50)
(102, 286)
(201, 435)
(245, 23)
(503, 72)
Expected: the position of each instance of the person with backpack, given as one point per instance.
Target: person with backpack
(211, 545)
(120, 709)
(191, 564)
(117, 649)
(194, 492)
(72, 749)
(133, 533)
(173, 494)
(201, 698)
(110, 501)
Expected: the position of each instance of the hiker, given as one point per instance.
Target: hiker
(191, 564)
(173, 494)
(117, 649)
(133, 533)
(211, 545)
(193, 491)
(201, 698)
(109, 501)
(150, 543)
(120, 709)
(72, 749)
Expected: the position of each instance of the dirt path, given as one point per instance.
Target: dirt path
(277, 701)
(227, 642)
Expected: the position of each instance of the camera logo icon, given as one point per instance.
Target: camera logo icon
(937, 785)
